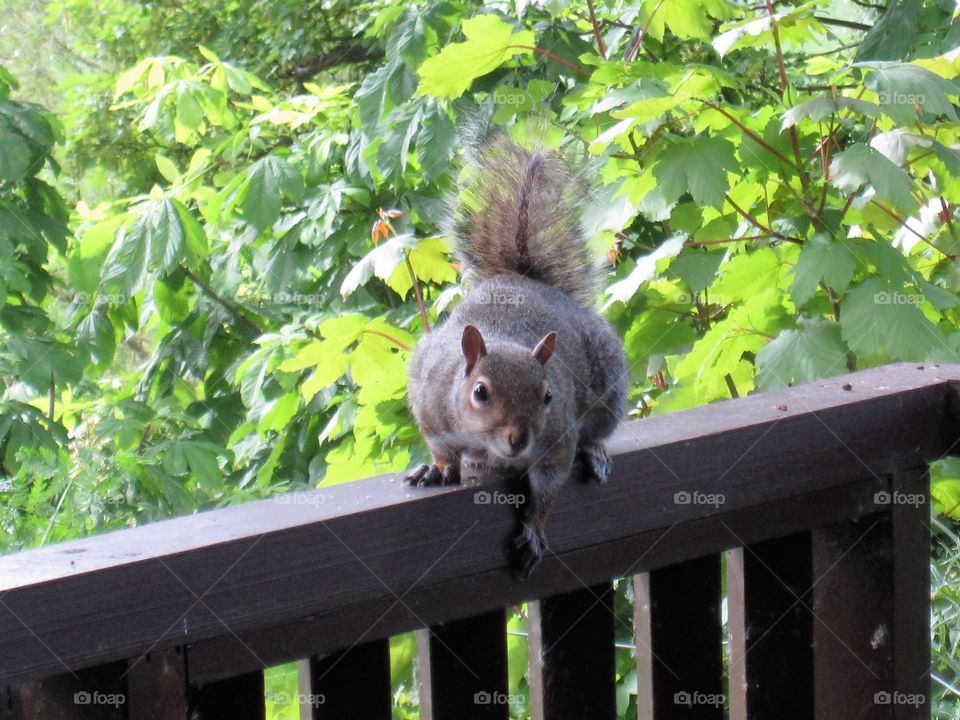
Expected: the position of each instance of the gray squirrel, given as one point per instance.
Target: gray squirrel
(524, 376)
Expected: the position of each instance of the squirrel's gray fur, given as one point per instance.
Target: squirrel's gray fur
(519, 211)
(525, 327)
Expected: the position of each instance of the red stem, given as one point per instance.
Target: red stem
(643, 32)
(555, 58)
(596, 30)
(416, 292)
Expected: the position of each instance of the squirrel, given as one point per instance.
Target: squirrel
(524, 376)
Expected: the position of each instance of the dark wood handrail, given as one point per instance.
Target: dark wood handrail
(305, 573)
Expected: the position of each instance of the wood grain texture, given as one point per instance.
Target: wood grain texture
(307, 573)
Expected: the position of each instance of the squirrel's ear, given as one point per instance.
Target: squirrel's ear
(544, 349)
(473, 346)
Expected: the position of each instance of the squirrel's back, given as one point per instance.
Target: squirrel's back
(519, 211)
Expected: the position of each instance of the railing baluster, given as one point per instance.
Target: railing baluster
(462, 668)
(768, 601)
(572, 665)
(92, 694)
(351, 683)
(9, 704)
(871, 609)
(157, 686)
(239, 698)
(677, 627)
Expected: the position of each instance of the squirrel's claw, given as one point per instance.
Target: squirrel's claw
(597, 463)
(415, 474)
(528, 549)
(427, 475)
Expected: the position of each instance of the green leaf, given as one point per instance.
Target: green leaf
(696, 165)
(945, 486)
(202, 459)
(822, 107)
(696, 268)
(881, 322)
(164, 235)
(281, 412)
(15, 155)
(894, 34)
(685, 18)
(821, 259)
(720, 352)
(378, 368)
(748, 274)
(125, 268)
(490, 41)
(382, 261)
(430, 259)
(268, 179)
(897, 144)
(812, 351)
(195, 239)
(172, 301)
(154, 244)
(861, 165)
(903, 89)
(167, 168)
(646, 269)
(657, 332)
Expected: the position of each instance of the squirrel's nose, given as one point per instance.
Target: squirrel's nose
(518, 439)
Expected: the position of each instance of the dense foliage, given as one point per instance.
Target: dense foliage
(253, 193)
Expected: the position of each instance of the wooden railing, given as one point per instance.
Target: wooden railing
(815, 497)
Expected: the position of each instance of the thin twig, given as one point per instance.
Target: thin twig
(596, 30)
(903, 223)
(759, 225)
(751, 134)
(556, 58)
(632, 53)
(784, 86)
(416, 292)
(230, 307)
(401, 345)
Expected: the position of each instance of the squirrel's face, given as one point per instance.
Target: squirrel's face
(505, 395)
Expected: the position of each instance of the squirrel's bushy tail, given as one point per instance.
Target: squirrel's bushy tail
(519, 211)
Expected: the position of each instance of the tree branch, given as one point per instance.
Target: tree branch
(343, 53)
(230, 307)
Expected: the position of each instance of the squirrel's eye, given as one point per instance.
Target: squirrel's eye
(547, 398)
(480, 393)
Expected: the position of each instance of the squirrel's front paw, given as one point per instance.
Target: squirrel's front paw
(597, 463)
(528, 549)
(427, 475)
